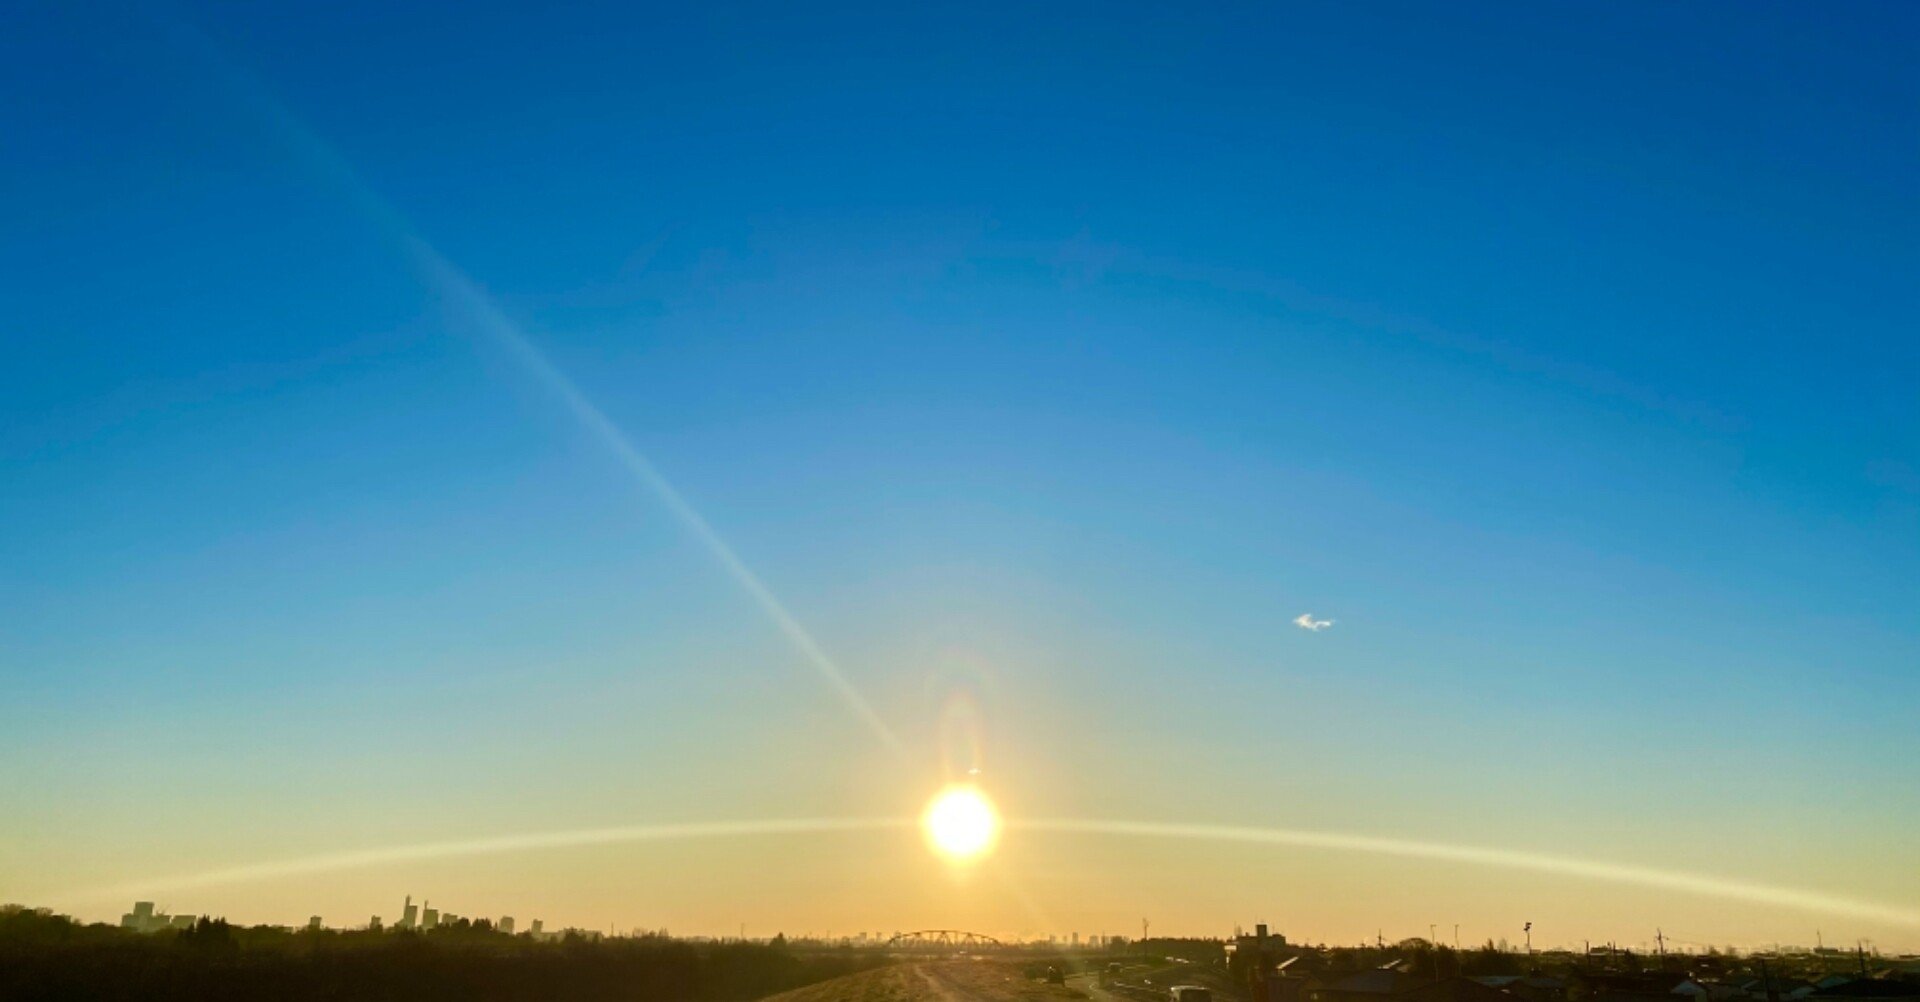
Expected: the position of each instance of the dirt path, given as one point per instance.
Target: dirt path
(1090, 985)
(941, 992)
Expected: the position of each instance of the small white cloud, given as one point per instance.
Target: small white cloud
(1306, 622)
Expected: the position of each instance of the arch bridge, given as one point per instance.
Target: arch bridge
(941, 939)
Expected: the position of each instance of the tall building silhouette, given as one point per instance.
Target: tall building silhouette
(144, 918)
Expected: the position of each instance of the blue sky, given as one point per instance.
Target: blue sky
(1564, 358)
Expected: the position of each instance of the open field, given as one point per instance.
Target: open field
(981, 980)
(935, 981)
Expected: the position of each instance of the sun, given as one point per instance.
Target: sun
(960, 824)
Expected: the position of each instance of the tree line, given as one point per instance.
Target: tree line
(44, 956)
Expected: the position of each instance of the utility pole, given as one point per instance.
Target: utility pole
(1528, 929)
(1456, 940)
(1661, 938)
(1143, 931)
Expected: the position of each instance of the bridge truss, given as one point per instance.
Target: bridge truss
(941, 939)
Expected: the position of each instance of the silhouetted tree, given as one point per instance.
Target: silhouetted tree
(207, 934)
(45, 957)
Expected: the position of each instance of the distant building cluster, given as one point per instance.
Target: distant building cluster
(1421, 971)
(144, 919)
(423, 917)
(1404, 985)
(1263, 966)
(1074, 941)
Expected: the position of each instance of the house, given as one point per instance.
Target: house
(1365, 986)
(1616, 986)
(1453, 990)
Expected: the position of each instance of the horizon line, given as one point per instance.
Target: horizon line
(1627, 874)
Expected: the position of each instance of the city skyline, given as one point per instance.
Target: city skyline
(422, 918)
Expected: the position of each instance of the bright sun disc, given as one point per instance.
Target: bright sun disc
(961, 824)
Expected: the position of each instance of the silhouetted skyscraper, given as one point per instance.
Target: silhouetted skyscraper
(142, 918)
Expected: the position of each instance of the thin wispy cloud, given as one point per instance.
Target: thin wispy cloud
(1306, 622)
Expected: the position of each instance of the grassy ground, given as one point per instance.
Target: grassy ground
(941, 981)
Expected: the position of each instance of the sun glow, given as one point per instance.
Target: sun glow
(961, 824)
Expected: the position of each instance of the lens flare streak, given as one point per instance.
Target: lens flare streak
(484, 315)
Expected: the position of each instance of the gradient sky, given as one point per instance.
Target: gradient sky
(1046, 363)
